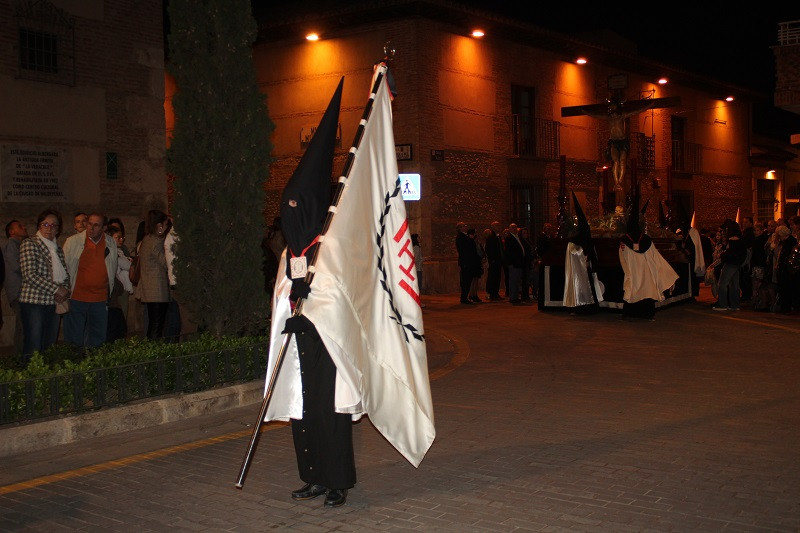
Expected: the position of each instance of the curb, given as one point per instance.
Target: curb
(445, 353)
(36, 436)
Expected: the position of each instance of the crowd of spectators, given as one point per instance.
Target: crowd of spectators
(500, 253)
(756, 264)
(81, 284)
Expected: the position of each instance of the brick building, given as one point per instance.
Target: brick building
(82, 107)
(82, 82)
(787, 97)
(479, 118)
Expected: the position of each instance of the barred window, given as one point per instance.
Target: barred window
(46, 46)
(38, 51)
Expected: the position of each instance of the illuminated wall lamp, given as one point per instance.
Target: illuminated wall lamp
(478, 33)
(770, 174)
(662, 81)
(312, 37)
(581, 61)
(729, 99)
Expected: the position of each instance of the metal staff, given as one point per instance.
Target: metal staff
(298, 309)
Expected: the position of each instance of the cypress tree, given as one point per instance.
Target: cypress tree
(219, 158)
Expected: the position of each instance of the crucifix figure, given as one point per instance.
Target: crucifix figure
(616, 111)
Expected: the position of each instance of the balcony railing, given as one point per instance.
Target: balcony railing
(537, 138)
(789, 33)
(687, 157)
(643, 148)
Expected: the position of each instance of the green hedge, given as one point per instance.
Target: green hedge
(64, 359)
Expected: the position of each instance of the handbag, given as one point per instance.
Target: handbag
(709, 278)
(135, 272)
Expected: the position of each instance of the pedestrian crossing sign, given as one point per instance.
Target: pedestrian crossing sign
(410, 186)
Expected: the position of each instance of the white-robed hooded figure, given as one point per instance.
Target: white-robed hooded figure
(647, 273)
(582, 289)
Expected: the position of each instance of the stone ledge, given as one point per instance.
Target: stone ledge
(16, 439)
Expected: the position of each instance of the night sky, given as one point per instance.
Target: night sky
(729, 41)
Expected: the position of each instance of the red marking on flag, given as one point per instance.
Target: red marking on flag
(401, 231)
(410, 290)
(406, 249)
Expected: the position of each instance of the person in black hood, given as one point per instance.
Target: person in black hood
(323, 438)
(647, 274)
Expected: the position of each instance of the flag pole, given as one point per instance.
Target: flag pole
(298, 309)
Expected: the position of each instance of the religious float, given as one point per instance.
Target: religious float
(598, 244)
(609, 271)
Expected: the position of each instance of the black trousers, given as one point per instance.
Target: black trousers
(323, 439)
(746, 284)
(465, 280)
(156, 318)
(493, 279)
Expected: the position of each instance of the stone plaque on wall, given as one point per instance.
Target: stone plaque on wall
(33, 173)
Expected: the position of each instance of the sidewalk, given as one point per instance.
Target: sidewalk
(545, 422)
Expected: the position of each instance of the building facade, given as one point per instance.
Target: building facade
(82, 107)
(787, 97)
(480, 119)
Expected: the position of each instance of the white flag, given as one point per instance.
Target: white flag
(364, 300)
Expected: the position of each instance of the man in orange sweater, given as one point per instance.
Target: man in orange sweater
(91, 258)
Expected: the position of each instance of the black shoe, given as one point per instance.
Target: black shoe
(308, 492)
(336, 497)
(476, 299)
(466, 302)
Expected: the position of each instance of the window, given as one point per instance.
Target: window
(522, 111)
(38, 51)
(765, 199)
(678, 127)
(682, 205)
(529, 205)
(46, 43)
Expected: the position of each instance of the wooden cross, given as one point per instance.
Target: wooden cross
(616, 111)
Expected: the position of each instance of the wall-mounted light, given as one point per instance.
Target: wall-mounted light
(662, 81)
(770, 175)
(312, 37)
(581, 61)
(478, 33)
(729, 99)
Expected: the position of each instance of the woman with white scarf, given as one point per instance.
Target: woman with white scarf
(45, 283)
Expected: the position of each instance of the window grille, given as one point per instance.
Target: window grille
(46, 43)
(765, 199)
(535, 138)
(687, 157)
(643, 148)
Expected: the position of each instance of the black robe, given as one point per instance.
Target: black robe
(323, 438)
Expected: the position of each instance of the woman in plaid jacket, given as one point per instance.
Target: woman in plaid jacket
(45, 282)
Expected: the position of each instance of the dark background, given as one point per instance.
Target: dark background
(729, 41)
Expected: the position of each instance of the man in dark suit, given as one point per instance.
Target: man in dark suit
(515, 255)
(745, 279)
(494, 257)
(467, 255)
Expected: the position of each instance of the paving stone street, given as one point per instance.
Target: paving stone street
(545, 422)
